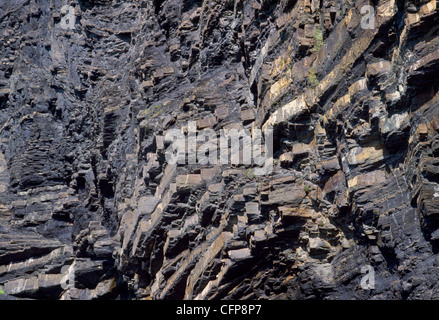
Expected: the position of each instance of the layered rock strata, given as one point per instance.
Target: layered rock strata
(91, 209)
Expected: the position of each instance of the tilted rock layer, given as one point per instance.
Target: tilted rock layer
(91, 209)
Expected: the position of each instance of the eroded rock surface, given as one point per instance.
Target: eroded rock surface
(91, 209)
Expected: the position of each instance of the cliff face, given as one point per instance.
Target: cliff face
(90, 208)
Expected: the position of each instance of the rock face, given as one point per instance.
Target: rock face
(91, 209)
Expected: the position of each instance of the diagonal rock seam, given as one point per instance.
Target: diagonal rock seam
(90, 208)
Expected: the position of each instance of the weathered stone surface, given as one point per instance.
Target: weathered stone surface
(287, 195)
(91, 209)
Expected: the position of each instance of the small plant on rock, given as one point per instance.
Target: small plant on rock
(313, 77)
(249, 173)
(318, 38)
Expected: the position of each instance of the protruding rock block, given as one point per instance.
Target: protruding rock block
(188, 181)
(292, 195)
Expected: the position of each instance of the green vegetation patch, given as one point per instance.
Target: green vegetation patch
(318, 37)
(312, 77)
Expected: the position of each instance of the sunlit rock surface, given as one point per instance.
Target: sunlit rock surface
(91, 209)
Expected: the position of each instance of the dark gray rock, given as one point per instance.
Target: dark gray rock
(90, 208)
